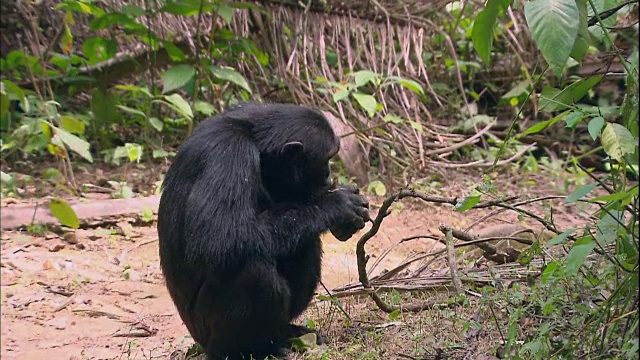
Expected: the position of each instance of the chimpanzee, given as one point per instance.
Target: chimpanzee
(240, 217)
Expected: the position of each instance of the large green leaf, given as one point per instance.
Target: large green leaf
(583, 38)
(553, 99)
(554, 25)
(72, 125)
(62, 211)
(76, 144)
(482, 33)
(618, 141)
(177, 77)
(231, 75)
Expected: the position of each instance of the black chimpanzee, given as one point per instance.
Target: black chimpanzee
(239, 222)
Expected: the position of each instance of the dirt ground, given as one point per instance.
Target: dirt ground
(100, 294)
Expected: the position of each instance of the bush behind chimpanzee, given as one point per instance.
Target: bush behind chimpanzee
(242, 210)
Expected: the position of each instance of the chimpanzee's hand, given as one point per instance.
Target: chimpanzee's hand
(348, 211)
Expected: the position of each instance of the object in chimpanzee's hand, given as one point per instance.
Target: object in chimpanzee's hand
(242, 210)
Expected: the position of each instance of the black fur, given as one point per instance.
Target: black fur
(240, 218)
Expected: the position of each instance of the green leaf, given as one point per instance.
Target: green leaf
(579, 193)
(231, 75)
(304, 342)
(134, 152)
(618, 141)
(482, 32)
(204, 108)
(62, 211)
(549, 270)
(180, 104)
(467, 203)
(147, 215)
(521, 88)
(609, 227)
(542, 125)
(595, 126)
(132, 111)
(226, 13)
(177, 77)
(553, 99)
(559, 239)
(409, 84)
(340, 95)
(367, 102)
(394, 119)
(156, 123)
(581, 46)
(578, 254)
(98, 49)
(378, 187)
(175, 53)
(74, 143)
(573, 119)
(108, 20)
(394, 314)
(72, 125)
(185, 7)
(6, 179)
(363, 77)
(554, 25)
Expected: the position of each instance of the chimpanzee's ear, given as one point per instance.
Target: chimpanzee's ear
(292, 150)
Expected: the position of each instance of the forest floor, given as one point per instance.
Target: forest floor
(100, 294)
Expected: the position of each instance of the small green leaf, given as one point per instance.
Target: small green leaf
(340, 95)
(378, 187)
(177, 77)
(175, 53)
(156, 124)
(226, 13)
(367, 102)
(595, 126)
(559, 239)
(204, 108)
(363, 77)
(409, 84)
(394, 314)
(394, 119)
(132, 111)
(542, 125)
(578, 254)
(579, 193)
(618, 141)
(304, 342)
(573, 118)
(467, 203)
(549, 270)
(62, 211)
(609, 227)
(180, 104)
(231, 75)
(6, 178)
